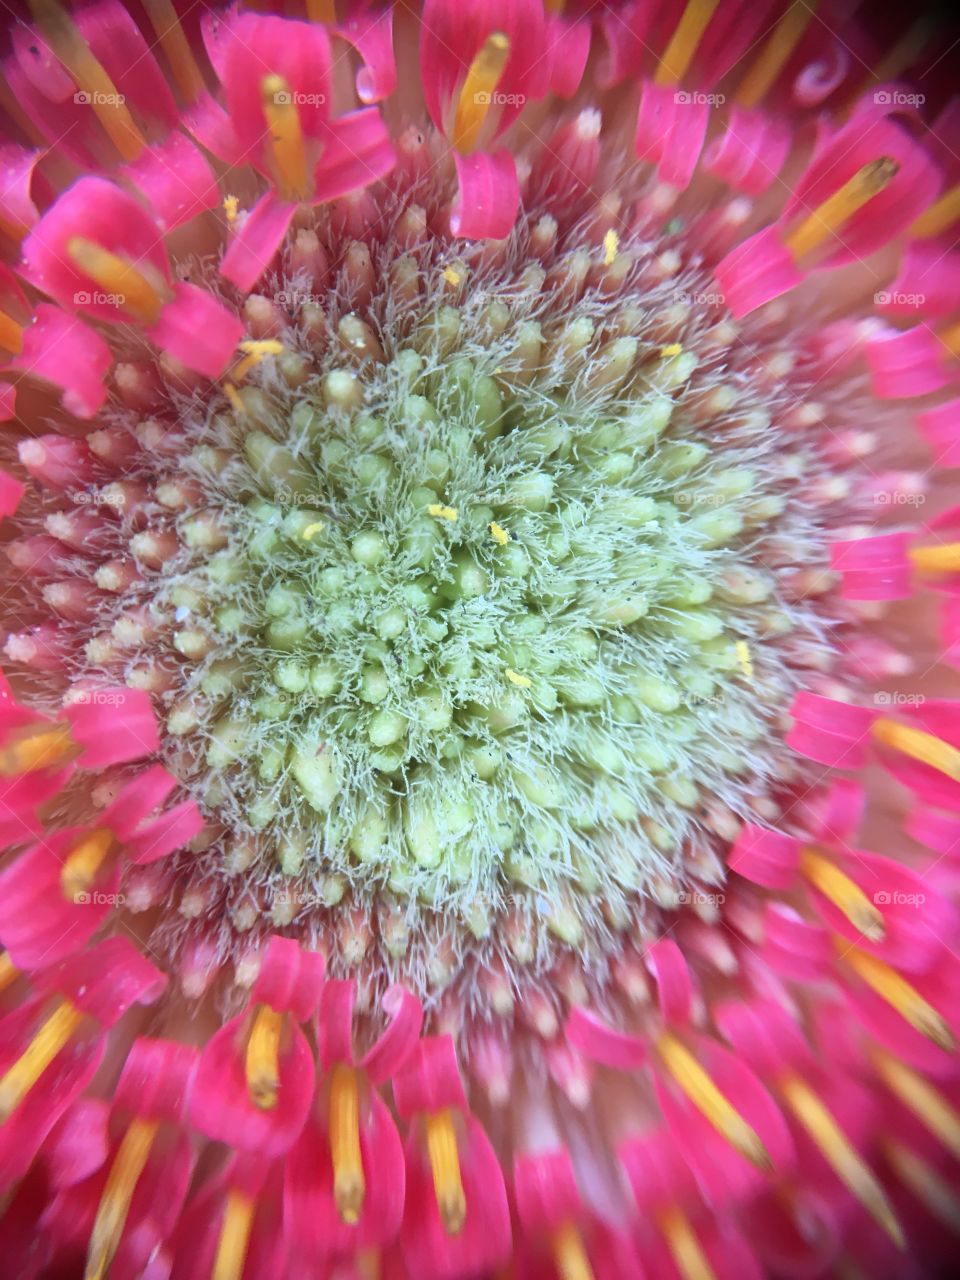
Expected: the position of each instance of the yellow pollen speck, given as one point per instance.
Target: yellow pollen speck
(441, 512)
(673, 349)
(312, 529)
(611, 243)
(451, 276)
(523, 682)
(499, 534)
(255, 351)
(233, 395)
(743, 657)
(231, 205)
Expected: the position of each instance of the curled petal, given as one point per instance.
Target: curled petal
(671, 127)
(489, 196)
(356, 151)
(750, 153)
(371, 34)
(79, 1144)
(940, 427)
(105, 980)
(399, 1040)
(794, 947)
(568, 47)
(118, 726)
(430, 1079)
(546, 1190)
(674, 981)
(819, 79)
(601, 1043)
(928, 280)
(254, 245)
(290, 978)
(68, 354)
(198, 330)
(17, 207)
(156, 1079)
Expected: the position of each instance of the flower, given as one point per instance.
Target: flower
(479, 786)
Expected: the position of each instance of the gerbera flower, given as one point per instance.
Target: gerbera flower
(480, 789)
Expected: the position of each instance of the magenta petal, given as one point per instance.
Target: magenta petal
(175, 181)
(106, 980)
(335, 1023)
(766, 857)
(356, 151)
(546, 1190)
(794, 947)
(117, 43)
(156, 1079)
(907, 363)
(484, 1242)
(940, 427)
(836, 812)
(830, 732)
(671, 127)
(371, 34)
(758, 270)
(938, 831)
(11, 491)
(220, 1104)
(874, 568)
(568, 47)
(489, 197)
(309, 1205)
(198, 330)
(207, 121)
(79, 1143)
(430, 1079)
(290, 978)
(253, 246)
(17, 164)
(394, 1047)
(751, 153)
(940, 717)
(603, 1044)
(68, 354)
(674, 981)
(117, 726)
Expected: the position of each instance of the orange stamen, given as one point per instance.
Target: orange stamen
(445, 1165)
(349, 1184)
(775, 54)
(114, 1206)
(263, 1057)
(827, 220)
(474, 102)
(37, 750)
(845, 894)
(84, 861)
(683, 43)
(135, 293)
(234, 1238)
(286, 137)
(919, 745)
(173, 42)
(50, 1039)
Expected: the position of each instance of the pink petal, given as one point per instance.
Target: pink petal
(79, 1143)
(835, 813)
(546, 1190)
(758, 270)
(195, 1239)
(928, 280)
(656, 1171)
(68, 354)
(220, 1103)
(764, 1034)
(290, 978)
(17, 207)
(114, 728)
(207, 121)
(430, 1079)
(309, 1205)
(198, 330)
(106, 980)
(938, 716)
(396, 1044)
(254, 244)
(484, 1243)
(907, 363)
(156, 1079)
(821, 77)
(601, 1043)
(11, 491)
(489, 196)
(20, 800)
(356, 151)
(766, 857)
(674, 981)
(874, 568)
(671, 127)
(793, 947)
(175, 181)
(940, 427)
(371, 34)
(751, 153)
(118, 45)
(938, 831)
(830, 732)
(568, 47)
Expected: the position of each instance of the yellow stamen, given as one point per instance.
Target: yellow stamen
(58, 29)
(684, 1246)
(478, 88)
(684, 41)
(919, 745)
(710, 1102)
(114, 1205)
(11, 334)
(84, 861)
(499, 534)
(8, 971)
(367, 1263)
(940, 216)
(312, 530)
(950, 338)
(134, 292)
(925, 1183)
(349, 1184)
(942, 559)
(440, 512)
(845, 894)
(776, 52)
(828, 219)
(522, 682)
(570, 1255)
(173, 42)
(39, 750)
(263, 1054)
(233, 395)
(742, 650)
(611, 246)
(672, 349)
(321, 10)
(286, 137)
(922, 1098)
(256, 352)
(840, 1155)
(231, 205)
(234, 1238)
(445, 1165)
(52, 1036)
(899, 994)
(451, 275)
